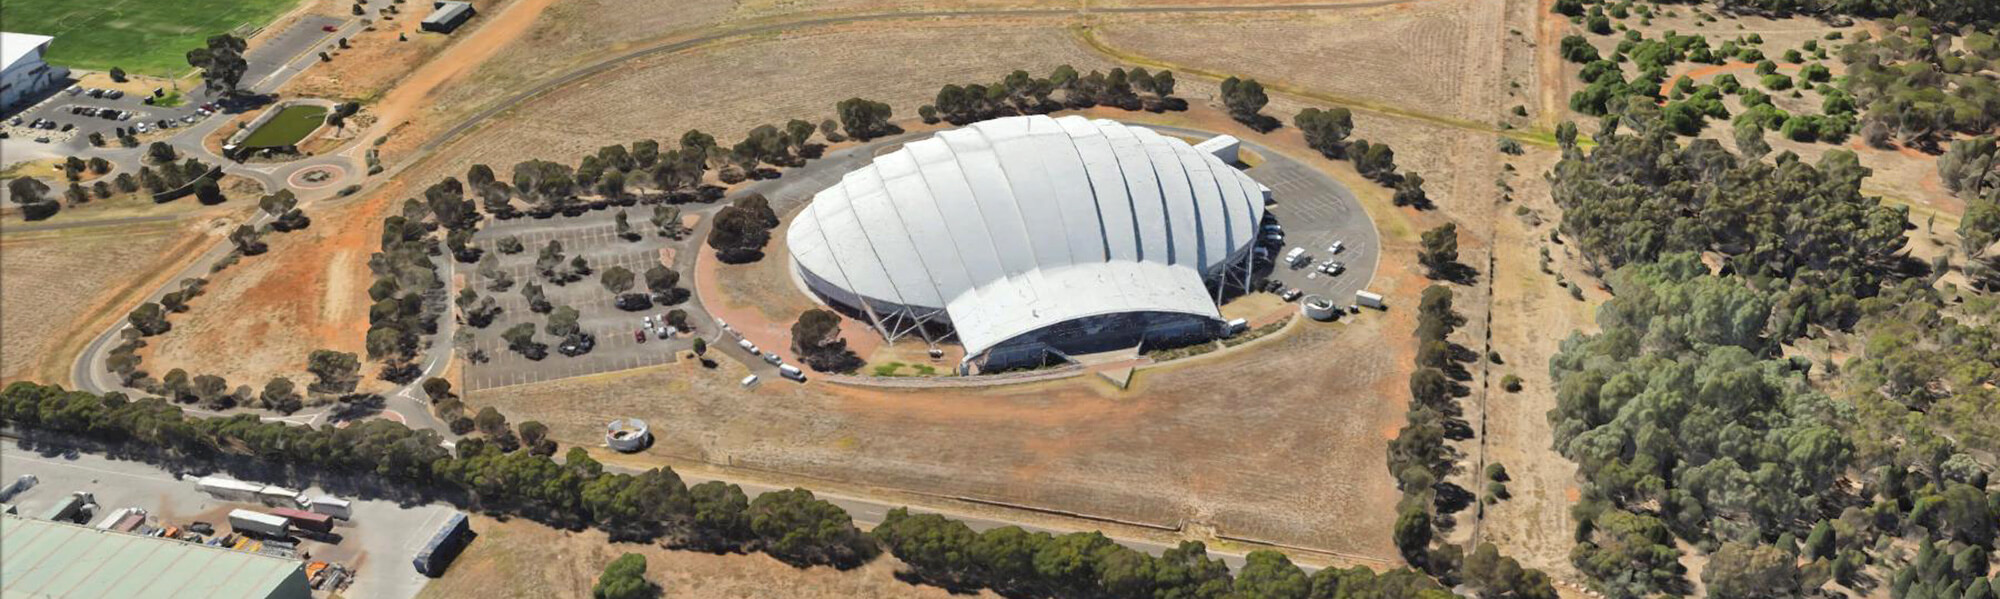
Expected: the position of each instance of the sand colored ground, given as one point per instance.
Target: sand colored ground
(1532, 315)
(261, 317)
(375, 58)
(1176, 448)
(726, 90)
(1341, 53)
(60, 288)
(522, 559)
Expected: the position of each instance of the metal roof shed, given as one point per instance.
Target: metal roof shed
(55, 560)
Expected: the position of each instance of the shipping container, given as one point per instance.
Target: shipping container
(1370, 300)
(246, 521)
(312, 521)
(131, 522)
(338, 508)
(443, 546)
(111, 520)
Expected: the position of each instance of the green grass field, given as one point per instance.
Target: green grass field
(149, 37)
(287, 128)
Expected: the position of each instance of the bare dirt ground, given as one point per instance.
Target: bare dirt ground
(60, 288)
(379, 56)
(261, 317)
(523, 559)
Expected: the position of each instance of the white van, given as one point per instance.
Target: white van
(748, 346)
(1295, 257)
(750, 381)
(792, 372)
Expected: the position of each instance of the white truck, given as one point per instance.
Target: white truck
(338, 508)
(260, 524)
(229, 489)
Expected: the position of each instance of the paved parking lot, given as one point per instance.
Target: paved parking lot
(1315, 211)
(593, 236)
(378, 541)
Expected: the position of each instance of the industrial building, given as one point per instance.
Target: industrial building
(23, 75)
(446, 16)
(54, 560)
(1030, 239)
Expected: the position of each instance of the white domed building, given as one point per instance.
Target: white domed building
(1032, 238)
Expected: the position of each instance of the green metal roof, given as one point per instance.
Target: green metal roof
(43, 559)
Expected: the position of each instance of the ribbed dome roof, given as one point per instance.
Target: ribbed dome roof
(1016, 223)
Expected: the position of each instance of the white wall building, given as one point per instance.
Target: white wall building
(24, 74)
(1031, 237)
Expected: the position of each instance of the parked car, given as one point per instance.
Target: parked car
(1291, 294)
(1336, 247)
(94, 92)
(74, 90)
(328, 28)
(773, 359)
(114, 94)
(639, 335)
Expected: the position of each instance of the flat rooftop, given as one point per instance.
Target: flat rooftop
(39, 558)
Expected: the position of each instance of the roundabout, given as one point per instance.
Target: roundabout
(316, 177)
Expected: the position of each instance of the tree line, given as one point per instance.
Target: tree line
(505, 474)
(1021, 93)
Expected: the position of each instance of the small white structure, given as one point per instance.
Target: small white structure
(627, 434)
(1318, 308)
(1370, 300)
(1223, 147)
(22, 72)
(337, 508)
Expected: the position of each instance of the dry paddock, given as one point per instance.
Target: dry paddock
(1281, 442)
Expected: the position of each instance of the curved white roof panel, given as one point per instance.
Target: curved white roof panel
(1014, 224)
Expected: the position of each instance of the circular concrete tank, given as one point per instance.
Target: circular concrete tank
(1318, 308)
(627, 435)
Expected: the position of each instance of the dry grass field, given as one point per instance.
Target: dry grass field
(1532, 315)
(1189, 443)
(60, 288)
(522, 559)
(726, 90)
(1345, 53)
